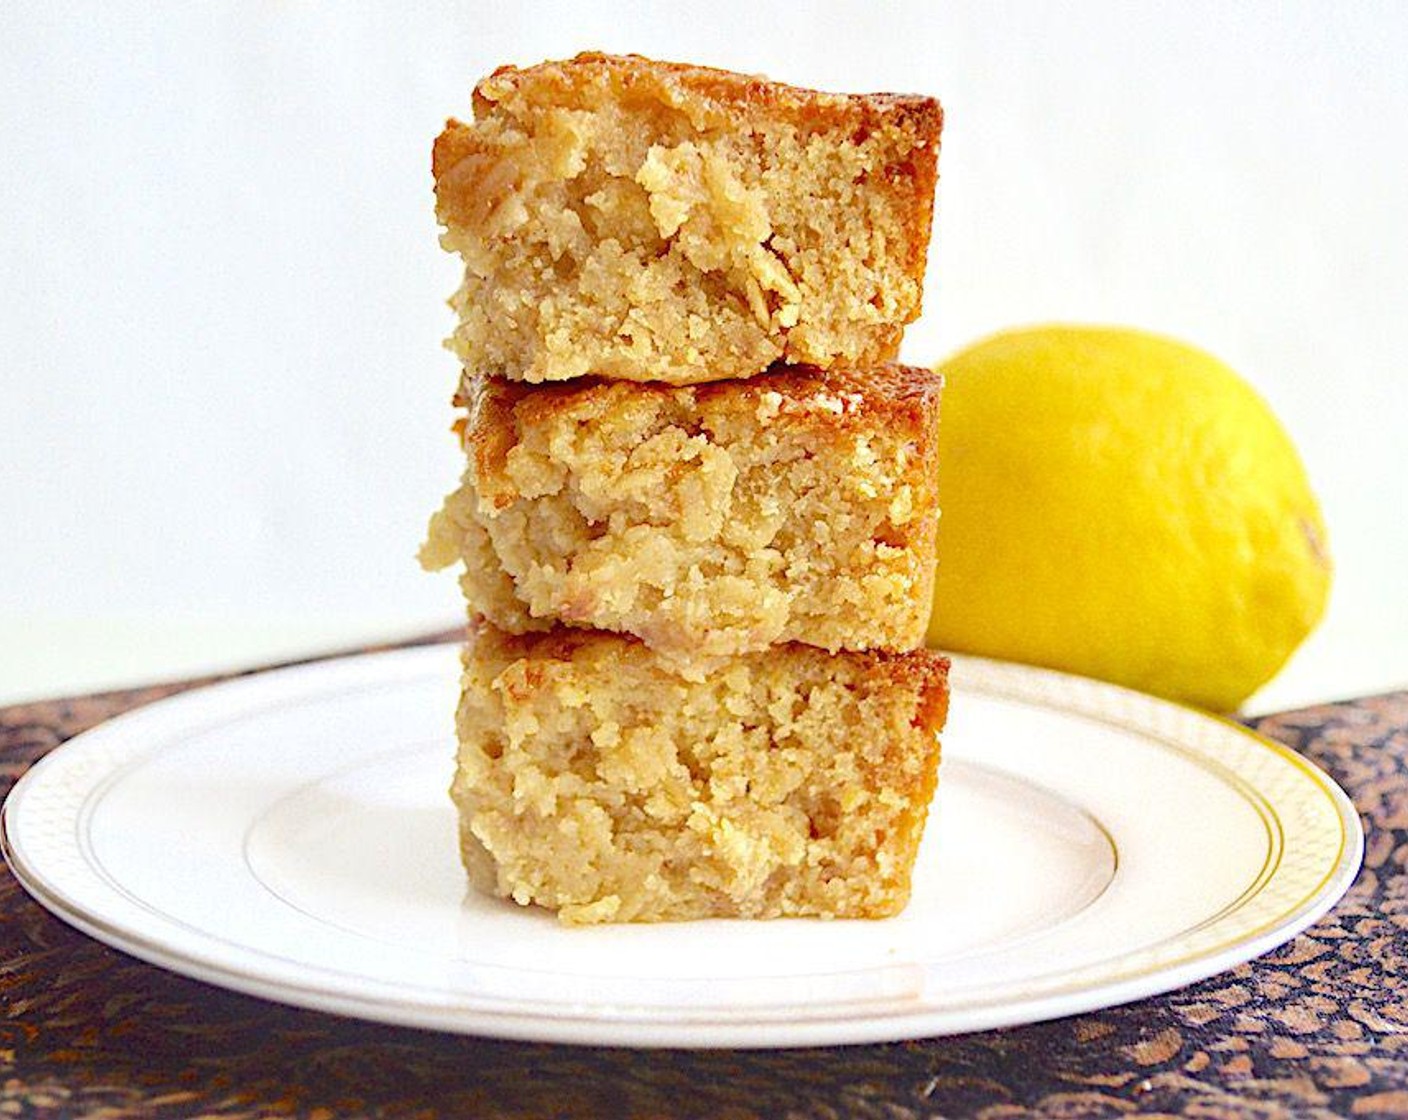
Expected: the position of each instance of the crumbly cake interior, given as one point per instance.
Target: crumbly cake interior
(706, 520)
(593, 781)
(647, 221)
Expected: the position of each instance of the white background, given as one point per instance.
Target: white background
(223, 404)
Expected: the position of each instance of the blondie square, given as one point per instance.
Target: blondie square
(707, 520)
(593, 781)
(642, 220)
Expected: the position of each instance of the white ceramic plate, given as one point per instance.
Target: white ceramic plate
(289, 835)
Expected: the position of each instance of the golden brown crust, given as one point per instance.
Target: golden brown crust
(489, 430)
(923, 670)
(888, 393)
(717, 96)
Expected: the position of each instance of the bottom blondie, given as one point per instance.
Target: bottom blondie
(596, 782)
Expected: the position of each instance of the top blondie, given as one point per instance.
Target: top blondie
(649, 221)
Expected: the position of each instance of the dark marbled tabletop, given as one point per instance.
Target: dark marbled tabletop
(1318, 1028)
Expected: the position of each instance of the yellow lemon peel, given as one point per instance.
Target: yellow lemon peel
(1123, 506)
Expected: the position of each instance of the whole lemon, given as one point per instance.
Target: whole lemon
(1122, 506)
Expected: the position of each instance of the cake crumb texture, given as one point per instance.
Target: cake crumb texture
(593, 781)
(707, 520)
(641, 220)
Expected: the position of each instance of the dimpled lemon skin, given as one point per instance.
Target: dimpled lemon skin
(1122, 506)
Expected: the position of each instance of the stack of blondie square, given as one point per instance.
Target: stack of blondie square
(698, 519)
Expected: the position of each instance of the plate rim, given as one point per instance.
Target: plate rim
(885, 1023)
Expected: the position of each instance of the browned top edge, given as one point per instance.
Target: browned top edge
(923, 670)
(635, 74)
(716, 98)
(903, 400)
(893, 390)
